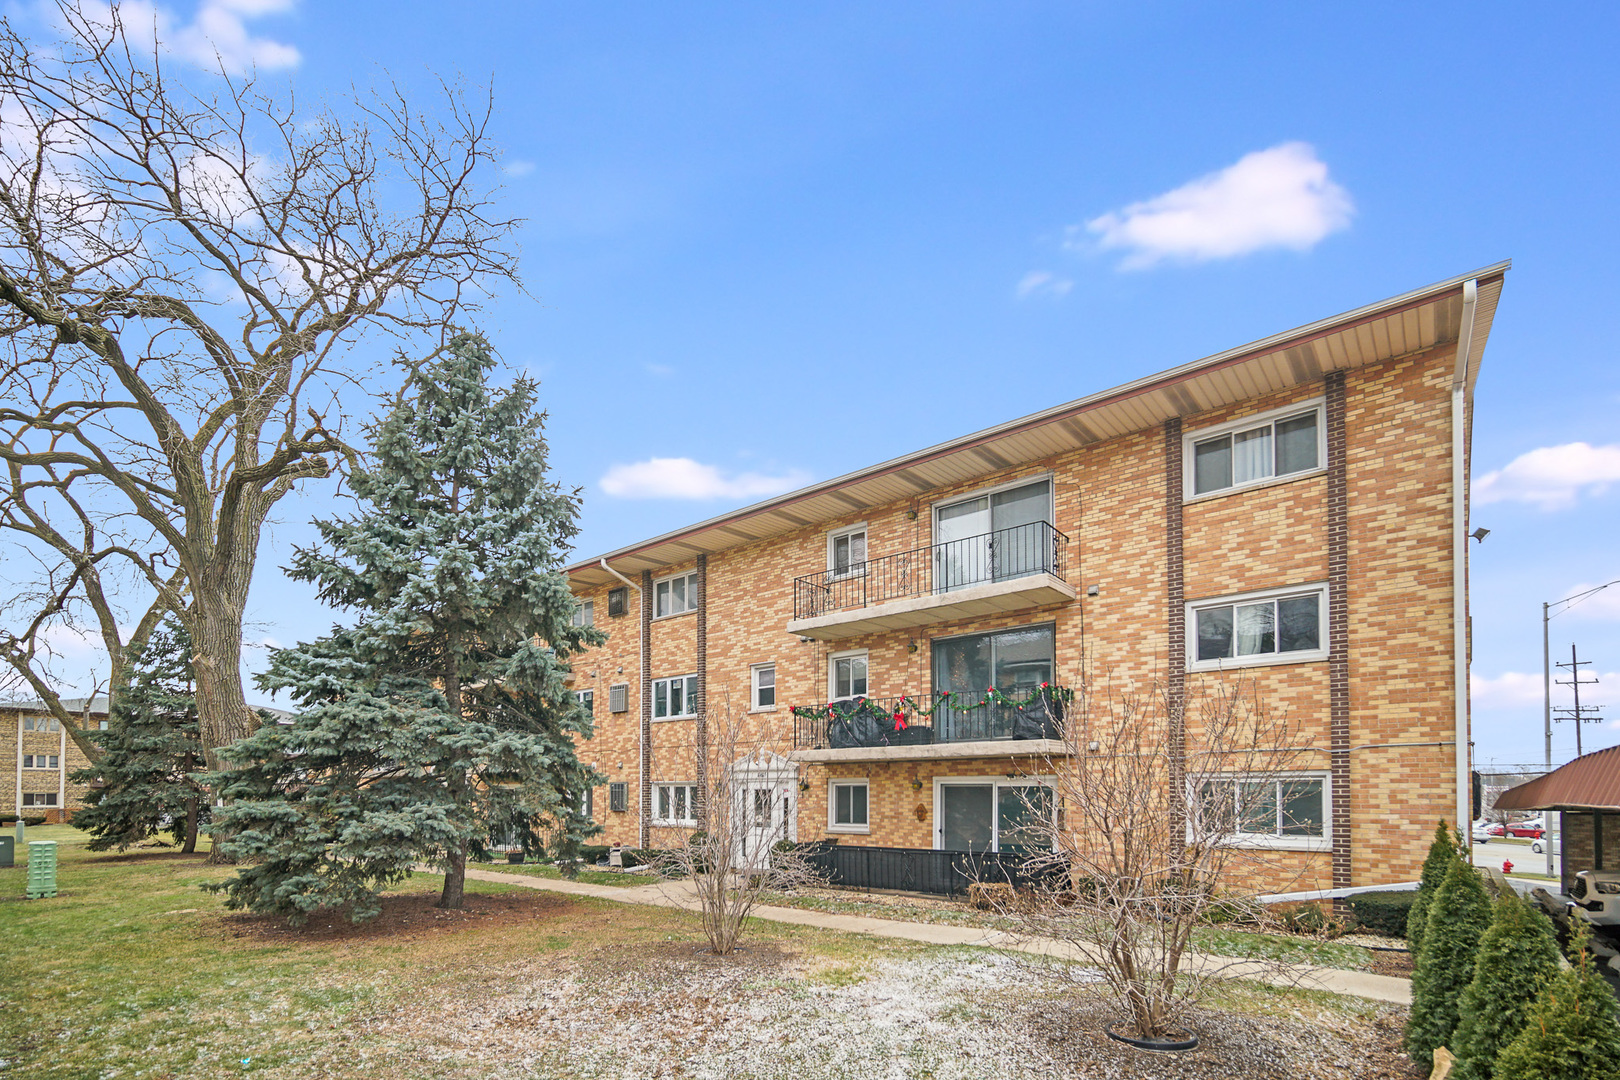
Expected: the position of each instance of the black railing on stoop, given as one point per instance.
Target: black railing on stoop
(1036, 548)
(1036, 713)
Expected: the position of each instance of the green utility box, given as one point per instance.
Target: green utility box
(41, 869)
(8, 851)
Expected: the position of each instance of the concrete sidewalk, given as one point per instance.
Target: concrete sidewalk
(678, 895)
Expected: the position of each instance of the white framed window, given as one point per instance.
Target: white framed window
(848, 808)
(39, 798)
(846, 551)
(1292, 810)
(1277, 626)
(586, 698)
(675, 595)
(40, 761)
(675, 698)
(846, 675)
(675, 804)
(585, 613)
(42, 723)
(588, 807)
(762, 687)
(1255, 450)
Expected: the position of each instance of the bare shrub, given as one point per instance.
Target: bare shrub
(741, 849)
(1149, 799)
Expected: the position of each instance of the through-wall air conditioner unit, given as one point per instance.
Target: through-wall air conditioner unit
(619, 697)
(618, 601)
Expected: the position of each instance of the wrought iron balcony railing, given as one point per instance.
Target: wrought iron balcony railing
(1036, 548)
(920, 720)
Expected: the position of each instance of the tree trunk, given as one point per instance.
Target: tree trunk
(455, 878)
(191, 827)
(223, 716)
(455, 864)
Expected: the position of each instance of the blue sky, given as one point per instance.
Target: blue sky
(767, 244)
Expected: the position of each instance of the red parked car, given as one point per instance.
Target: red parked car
(1529, 830)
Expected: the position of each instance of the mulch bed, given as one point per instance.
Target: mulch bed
(407, 917)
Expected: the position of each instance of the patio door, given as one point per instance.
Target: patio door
(962, 545)
(980, 816)
(967, 817)
(992, 537)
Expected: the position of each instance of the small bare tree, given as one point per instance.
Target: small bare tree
(185, 275)
(1164, 808)
(739, 853)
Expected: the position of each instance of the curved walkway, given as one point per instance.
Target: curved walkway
(1362, 984)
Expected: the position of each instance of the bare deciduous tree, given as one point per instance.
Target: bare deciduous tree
(184, 278)
(1145, 845)
(737, 855)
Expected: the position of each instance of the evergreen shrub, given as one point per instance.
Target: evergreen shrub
(1458, 917)
(1442, 850)
(1570, 1033)
(1383, 912)
(1517, 956)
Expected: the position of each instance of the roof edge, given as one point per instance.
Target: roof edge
(1493, 272)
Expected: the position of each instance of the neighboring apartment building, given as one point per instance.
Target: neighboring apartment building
(1294, 510)
(41, 757)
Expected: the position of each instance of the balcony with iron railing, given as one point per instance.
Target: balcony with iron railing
(1007, 570)
(988, 723)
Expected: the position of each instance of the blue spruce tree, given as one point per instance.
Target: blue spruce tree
(442, 713)
(145, 781)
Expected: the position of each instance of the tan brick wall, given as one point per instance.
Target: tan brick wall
(70, 760)
(1110, 502)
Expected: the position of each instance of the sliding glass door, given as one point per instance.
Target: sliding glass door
(992, 537)
(987, 815)
(1013, 661)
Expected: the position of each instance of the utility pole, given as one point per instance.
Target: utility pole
(1587, 714)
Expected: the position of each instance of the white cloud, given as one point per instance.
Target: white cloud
(1509, 689)
(518, 168)
(1551, 477)
(1518, 689)
(683, 478)
(1043, 283)
(1280, 197)
(216, 36)
(663, 371)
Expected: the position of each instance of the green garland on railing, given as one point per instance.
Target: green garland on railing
(910, 707)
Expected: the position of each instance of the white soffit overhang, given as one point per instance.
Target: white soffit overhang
(1400, 326)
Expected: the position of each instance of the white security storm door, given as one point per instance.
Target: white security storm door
(763, 809)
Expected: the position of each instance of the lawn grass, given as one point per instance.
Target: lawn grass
(1291, 949)
(134, 970)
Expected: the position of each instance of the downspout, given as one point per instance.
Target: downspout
(641, 721)
(1459, 553)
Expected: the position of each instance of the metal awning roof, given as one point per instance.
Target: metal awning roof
(1590, 782)
(1400, 326)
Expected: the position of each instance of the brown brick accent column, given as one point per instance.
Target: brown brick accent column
(703, 689)
(1175, 676)
(644, 795)
(1338, 538)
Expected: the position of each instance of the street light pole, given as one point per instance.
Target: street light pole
(1551, 831)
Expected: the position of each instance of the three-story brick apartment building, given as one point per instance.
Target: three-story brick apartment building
(1294, 509)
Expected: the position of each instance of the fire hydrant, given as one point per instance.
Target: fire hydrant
(1507, 866)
